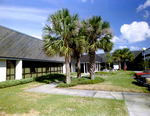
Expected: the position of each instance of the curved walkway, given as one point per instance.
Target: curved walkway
(138, 104)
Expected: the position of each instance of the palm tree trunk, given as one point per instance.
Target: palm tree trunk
(67, 70)
(78, 66)
(92, 63)
(119, 65)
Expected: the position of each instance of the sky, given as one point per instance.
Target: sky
(129, 19)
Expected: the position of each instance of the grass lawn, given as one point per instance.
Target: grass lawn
(16, 102)
(122, 81)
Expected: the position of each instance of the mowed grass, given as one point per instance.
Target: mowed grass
(122, 82)
(16, 102)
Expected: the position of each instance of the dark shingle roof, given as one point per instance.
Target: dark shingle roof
(136, 53)
(14, 44)
(102, 57)
(85, 58)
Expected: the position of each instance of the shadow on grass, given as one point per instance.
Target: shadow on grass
(138, 84)
(141, 85)
(50, 78)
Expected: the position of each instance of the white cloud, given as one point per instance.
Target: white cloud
(24, 13)
(121, 47)
(134, 48)
(144, 6)
(135, 32)
(39, 37)
(84, 0)
(118, 40)
(146, 15)
(43, 24)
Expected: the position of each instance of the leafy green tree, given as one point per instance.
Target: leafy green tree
(98, 35)
(123, 54)
(126, 54)
(58, 36)
(117, 56)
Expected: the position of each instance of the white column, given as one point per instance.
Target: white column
(84, 67)
(95, 67)
(2, 70)
(99, 67)
(71, 67)
(18, 69)
(64, 68)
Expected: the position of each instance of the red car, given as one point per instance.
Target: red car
(142, 73)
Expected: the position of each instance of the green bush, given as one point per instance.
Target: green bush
(102, 73)
(100, 79)
(82, 80)
(105, 73)
(113, 73)
(10, 83)
(66, 85)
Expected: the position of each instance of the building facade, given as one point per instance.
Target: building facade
(85, 64)
(22, 56)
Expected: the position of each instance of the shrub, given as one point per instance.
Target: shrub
(66, 85)
(49, 78)
(10, 83)
(82, 80)
(106, 73)
(102, 73)
(100, 79)
(113, 73)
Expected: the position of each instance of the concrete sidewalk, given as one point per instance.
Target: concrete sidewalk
(138, 104)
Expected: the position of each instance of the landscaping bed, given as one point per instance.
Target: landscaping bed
(82, 80)
(121, 82)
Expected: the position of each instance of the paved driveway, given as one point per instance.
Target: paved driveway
(138, 104)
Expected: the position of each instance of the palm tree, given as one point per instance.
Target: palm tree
(126, 54)
(79, 45)
(98, 35)
(117, 56)
(123, 54)
(58, 36)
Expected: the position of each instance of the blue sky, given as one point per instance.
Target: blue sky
(129, 19)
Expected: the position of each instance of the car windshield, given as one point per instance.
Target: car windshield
(146, 71)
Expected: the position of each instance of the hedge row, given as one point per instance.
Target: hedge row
(49, 78)
(82, 80)
(106, 73)
(10, 83)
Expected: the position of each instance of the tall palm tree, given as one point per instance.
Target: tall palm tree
(58, 35)
(98, 35)
(117, 56)
(126, 54)
(79, 47)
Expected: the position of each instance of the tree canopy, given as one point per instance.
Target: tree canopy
(65, 35)
(59, 34)
(98, 36)
(124, 55)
